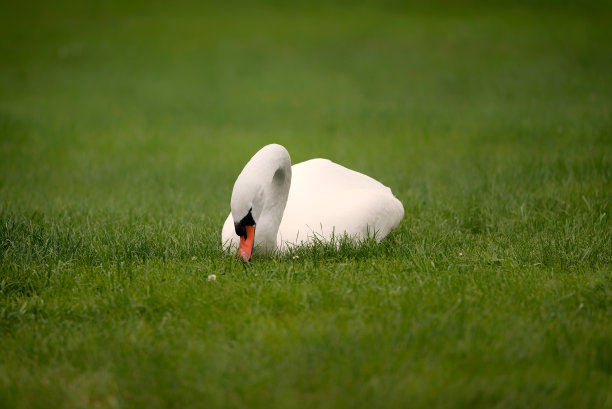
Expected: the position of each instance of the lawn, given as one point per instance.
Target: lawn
(123, 126)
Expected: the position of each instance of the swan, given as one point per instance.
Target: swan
(292, 205)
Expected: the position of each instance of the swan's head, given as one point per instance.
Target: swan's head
(246, 205)
(259, 198)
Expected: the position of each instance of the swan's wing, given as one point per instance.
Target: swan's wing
(327, 199)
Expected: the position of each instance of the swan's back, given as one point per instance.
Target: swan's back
(322, 176)
(327, 199)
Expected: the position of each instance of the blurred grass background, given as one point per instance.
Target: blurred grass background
(191, 91)
(124, 124)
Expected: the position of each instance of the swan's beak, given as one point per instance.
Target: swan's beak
(246, 243)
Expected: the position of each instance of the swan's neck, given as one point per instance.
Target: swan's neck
(263, 186)
(275, 199)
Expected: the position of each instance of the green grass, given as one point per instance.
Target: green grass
(124, 126)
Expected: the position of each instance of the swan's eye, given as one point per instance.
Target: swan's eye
(246, 221)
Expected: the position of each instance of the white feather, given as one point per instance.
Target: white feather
(325, 200)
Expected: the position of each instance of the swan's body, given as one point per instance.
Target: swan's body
(292, 205)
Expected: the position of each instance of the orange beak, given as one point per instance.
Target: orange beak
(246, 243)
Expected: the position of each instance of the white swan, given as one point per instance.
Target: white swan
(291, 205)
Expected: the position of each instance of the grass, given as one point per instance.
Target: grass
(123, 127)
